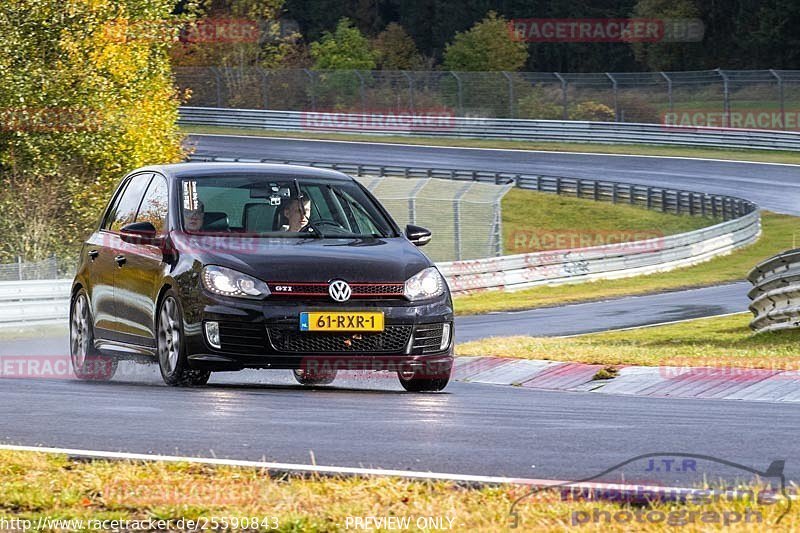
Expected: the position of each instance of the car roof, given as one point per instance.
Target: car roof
(201, 169)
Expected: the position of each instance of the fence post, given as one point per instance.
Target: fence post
(19, 267)
(264, 86)
(510, 94)
(361, 92)
(218, 81)
(410, 91)
(460, 94)
(457, 219)
(669, 91)
(313, 89)
(783, 100)
(616, 96)
(498, 232)
(726, 104)
(563, 94)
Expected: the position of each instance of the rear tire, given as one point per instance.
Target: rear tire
(172, 360)
(310, 379)
(421, 380)
(87, 362)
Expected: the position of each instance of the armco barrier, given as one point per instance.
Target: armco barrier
(494, 128)
(33, 302)
(776, 292)
(515, 272)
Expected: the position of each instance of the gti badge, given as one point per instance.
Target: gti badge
(339, 290)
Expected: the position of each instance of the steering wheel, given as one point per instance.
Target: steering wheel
(322, 222)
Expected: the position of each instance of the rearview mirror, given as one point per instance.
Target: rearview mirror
(418, 235)
(139, 233)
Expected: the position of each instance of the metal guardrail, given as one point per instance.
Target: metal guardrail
(776, 292)
(613, 261)
(493, 128)
(34, 302)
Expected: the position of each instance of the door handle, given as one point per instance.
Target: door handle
(120, 259)
(93, 254)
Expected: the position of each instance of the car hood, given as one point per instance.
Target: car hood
(311, 260)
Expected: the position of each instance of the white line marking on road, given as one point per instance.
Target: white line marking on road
(334, 470)
(498, 149)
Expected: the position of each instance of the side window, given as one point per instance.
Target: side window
(155, 204)
(112, 211)
(125, 212)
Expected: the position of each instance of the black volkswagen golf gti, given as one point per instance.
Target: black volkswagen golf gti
(205, 267)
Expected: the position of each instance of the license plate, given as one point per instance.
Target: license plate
(323, 321)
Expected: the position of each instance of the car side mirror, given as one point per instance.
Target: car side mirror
(418, 235)
(139, 233)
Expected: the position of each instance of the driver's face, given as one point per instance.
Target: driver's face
(296, 216)
(193, 219)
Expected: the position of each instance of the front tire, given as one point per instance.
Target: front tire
(424, 380)
(310, 379)
(172, 360)
(87, 362)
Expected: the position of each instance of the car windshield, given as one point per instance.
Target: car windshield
(280, 207)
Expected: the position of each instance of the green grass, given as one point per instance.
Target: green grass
(38, 485)
(724, 341)
(765, 156)
(534, 221)
(779, 233)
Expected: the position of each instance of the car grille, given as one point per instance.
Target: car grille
(289, 340)
(243, 338)
(320, 290)
(427, 338)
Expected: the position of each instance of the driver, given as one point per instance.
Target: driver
(193, 218)
(297, 212)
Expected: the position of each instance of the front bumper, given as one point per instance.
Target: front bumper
(265, 334)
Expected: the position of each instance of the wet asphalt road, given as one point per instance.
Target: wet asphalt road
(468, 429)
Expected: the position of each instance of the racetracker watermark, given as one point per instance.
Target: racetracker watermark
(751, 369)
(205, 30)
(635, 30)
(439, 119)
(633, 241)
(750, 119)
(49, 119)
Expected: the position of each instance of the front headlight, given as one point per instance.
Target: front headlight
(228, 282)
(425, 284)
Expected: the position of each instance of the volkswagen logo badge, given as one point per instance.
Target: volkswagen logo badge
(339, 290)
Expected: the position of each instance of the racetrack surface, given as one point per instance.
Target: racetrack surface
(468, 429)
(618, 313)
(771, 186)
